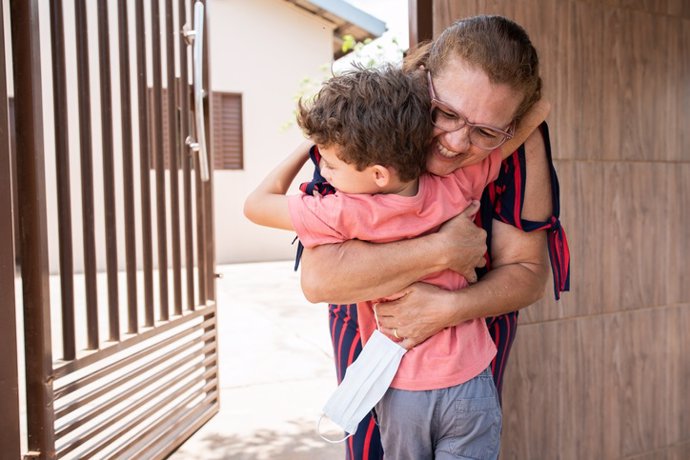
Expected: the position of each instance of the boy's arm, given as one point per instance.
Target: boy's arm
(531, 121)
(267, 205)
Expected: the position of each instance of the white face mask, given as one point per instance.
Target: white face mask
(366, 381)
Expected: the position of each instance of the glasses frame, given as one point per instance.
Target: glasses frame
(437, 103)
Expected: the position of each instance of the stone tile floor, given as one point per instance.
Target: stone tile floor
(276, 370)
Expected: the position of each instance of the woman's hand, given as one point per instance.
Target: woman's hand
(419, 311)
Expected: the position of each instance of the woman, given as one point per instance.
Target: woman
(472, 65)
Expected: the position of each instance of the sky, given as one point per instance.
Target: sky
(390, 46)
(392, 12)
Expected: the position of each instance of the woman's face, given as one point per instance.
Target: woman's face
(468, 91)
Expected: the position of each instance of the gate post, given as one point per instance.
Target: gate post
(421, 21)
(9, 378)
(33, 226)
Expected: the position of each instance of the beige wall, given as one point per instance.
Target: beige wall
(262, 49)
(604, 372)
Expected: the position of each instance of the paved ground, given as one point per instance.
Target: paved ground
(276, 370)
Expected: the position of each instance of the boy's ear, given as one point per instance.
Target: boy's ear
(382, 175)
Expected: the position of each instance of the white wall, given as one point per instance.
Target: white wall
(72, 127)
(262, 49)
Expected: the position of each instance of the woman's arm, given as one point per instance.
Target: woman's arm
(517, 279)
(267, 205)
(518, 282)
(355, 270)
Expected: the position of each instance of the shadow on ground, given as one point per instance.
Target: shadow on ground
(297, 440)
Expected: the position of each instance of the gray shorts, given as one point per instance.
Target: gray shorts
(463, 421)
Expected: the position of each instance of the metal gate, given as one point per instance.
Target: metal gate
(110, 175)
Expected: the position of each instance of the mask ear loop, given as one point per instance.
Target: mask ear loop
(331, 441)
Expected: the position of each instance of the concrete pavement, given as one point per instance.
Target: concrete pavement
(276, 370)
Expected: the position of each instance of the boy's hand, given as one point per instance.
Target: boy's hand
(267, 205)
(463, 244)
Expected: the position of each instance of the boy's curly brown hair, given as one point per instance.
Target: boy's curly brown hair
(376, 116)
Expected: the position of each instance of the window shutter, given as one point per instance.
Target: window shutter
(228, 150)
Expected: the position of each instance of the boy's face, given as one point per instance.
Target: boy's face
(343, 176)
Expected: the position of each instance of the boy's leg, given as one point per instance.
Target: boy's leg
(406, 423)
(342, 321)
(469, 426)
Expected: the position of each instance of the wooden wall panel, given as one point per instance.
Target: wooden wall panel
(604, 373)
(678, 241)
(679, 84)
(636, 210)
(679, 452)
(531, 409)
(578, 133)
(636, 407)
(582, 392)
(674, 100)
(620, 218)
(635, 83)
(677, 8)
(582, 217)
(678, 382)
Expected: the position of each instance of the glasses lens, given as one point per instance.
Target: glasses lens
(446, 121)
(486, 138)
(479, 136)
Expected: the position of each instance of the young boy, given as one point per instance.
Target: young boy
(372, 129)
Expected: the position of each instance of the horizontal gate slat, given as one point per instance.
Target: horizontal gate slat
(92, 358)
(168, 441)
(169, 421)
(85, 437)
(162, 422)
(191, 423)
(106, 388)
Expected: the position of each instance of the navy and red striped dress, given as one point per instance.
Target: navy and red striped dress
(501, 200)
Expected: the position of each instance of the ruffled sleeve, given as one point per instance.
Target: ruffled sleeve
(507, 195)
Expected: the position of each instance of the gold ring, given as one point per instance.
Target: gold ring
(395, 333)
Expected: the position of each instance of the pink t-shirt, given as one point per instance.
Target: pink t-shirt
(455, 354)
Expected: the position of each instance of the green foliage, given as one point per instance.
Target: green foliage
(349, 43)
(368, 53)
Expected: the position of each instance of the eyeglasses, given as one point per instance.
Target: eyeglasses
(483, 136)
